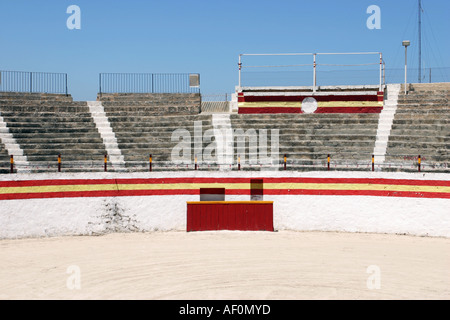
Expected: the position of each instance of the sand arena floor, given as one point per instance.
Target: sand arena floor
(226, 265)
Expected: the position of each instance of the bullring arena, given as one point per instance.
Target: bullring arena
(153, 195)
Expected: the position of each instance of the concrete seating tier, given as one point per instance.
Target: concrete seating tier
(307, 139)
(153, 103)
(421, 127)
(4, 159)
(141, 131)
(51, 127)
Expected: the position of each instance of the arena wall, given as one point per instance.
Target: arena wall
(52, 204)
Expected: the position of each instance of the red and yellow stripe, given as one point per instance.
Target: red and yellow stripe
(38, 189)
(357, 103)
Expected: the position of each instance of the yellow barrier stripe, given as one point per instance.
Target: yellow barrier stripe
(191, 186)
(63, 188)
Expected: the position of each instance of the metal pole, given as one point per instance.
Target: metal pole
(153, 86)
(406, 57)
(314, 73)
(420, 43)
(240, 66)
(100, 83)
(67, 91)
(381, 70)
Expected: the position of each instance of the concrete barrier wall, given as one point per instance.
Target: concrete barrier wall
(38, 205)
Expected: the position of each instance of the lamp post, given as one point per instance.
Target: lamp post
(406, 43)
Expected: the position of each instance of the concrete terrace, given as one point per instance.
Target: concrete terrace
(130, 127)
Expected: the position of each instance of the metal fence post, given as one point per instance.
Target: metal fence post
(150, 163)
(100, 84)
(67, 90)
(314, 73)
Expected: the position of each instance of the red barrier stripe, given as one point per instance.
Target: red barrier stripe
(258, 110)
(376, 193)
(439, 183)
(91, 194)
(327, 98)
(199, 180)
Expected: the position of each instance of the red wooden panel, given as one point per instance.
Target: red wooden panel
(238, 214)
(242, 216)
(212, 190)
(230, 216)
(252, 217)
(231, 210)
(220, 217)
(204, 217)
(214, 218)
(208, 213)
(190, 216)
(202, 222)
(269, 217)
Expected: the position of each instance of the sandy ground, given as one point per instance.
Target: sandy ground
(226, 265)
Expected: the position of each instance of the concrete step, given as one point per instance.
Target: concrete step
(69, 155)
(60, 146)
(50, 125)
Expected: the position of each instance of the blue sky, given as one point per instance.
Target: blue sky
(206, 37)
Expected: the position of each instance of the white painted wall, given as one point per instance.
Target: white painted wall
(87, 216)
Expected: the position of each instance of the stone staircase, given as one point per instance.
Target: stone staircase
(45, 126)
(4, 159)
(421, 127)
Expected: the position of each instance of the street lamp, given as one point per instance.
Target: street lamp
(405, 43)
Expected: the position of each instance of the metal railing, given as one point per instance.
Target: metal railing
(146, 83)
(291, 77)
(215, 103)
(326, 162)
(428, 75)
(33, 82)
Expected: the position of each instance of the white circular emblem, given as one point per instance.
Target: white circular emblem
(309, 105)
